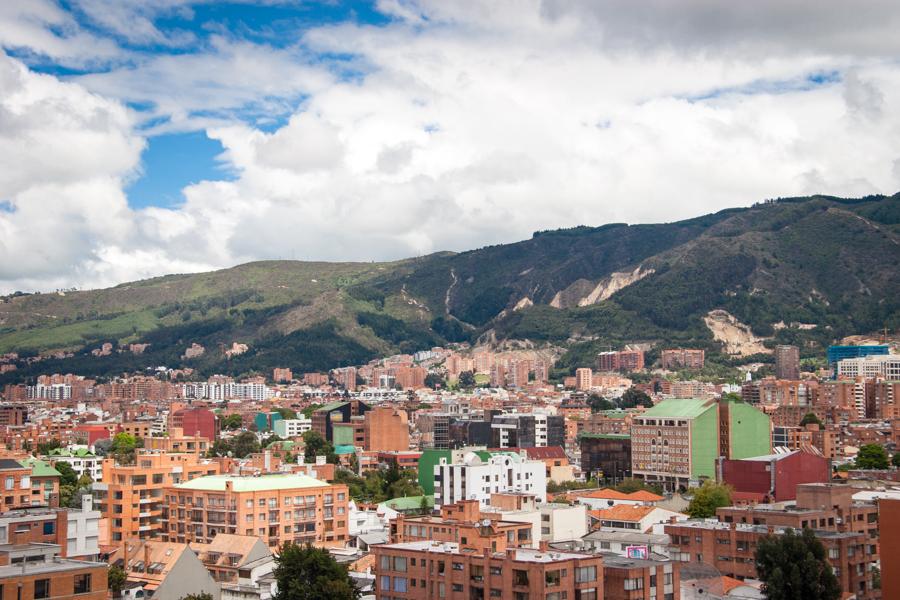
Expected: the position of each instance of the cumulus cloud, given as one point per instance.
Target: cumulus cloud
(468, 124)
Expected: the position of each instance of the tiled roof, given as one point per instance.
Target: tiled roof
(611, 494)
(622, 512)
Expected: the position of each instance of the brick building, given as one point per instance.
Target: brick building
(386, 429)
(773, 477)
(621, 360)
(196, 421)
(787, 362)
(278, 508)
(682, 358)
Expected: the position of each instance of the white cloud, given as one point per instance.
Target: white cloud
(472, 124)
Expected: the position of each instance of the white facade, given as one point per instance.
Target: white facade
(92, 466)
(886, 366)
(563, 523)
(291, 428)
(83, 529)
(479, 475)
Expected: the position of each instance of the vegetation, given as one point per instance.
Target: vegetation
(599, 403)
(380, 485)
(199, 596)
(554, 487)
(809, 419)
(707, 498)
(124, 446)
(435, 381)
(466, 380)
(895, 460)
(116, 578)
(793, 566)
(629, 485)
(232, 422)
(634, 397)
(71, 486)
(309, 573)
(315, 445)
(240, 446)
(872, 456)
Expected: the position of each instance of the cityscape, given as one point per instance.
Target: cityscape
(423, 300)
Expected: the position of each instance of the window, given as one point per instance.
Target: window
(457, 566)
(385, 583)
(10, 483)
(584, 574)
(457, 587)
(400, 584)
(41, 588)
(82, 584)
(636, 583)
(49, 527)
(400, 564)
(588, 594)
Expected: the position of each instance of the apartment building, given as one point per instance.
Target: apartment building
(291, 428)
(730, 548)
(445, 570)
(196, 422)
(677, 442)
(536, 430)
(478, 474)
(386, 428)
(584, 379)
(132, 497)
(83, 462)
(787, 362)
(682, 358)
(621, 360)
(336, 412)
(40, 573)
(277, 508)
(883, 366)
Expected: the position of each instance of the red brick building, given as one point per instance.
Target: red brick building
(774, 477)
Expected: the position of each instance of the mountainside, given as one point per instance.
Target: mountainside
(799, 270)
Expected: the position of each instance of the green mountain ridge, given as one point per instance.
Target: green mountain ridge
(823, 261)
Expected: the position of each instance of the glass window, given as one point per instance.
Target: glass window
(400, 584)
(82, 584)
(41, 588)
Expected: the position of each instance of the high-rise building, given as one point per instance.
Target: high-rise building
(883, 366)
(386, 428)
(606, 455)
(682, 358)
(196, 421)
(787, 362)
(584, 379)
(838, 353)
(527, 430)
(281, 375)
(677, 442)
(622, 360)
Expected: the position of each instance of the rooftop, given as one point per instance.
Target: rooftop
(216, 483)
(39, 568)
(688, 408)
(518, 554)
(611, 494)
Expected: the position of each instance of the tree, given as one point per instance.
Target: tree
(793, 566)
(101, 447)
(232, 422)
(630, 485)
(467, 379)
(634, 397)
(286, 413)
(200, 596)
(68, 476)
(435, 381)
(810, 418)
(123, 447)
(599, 403)
(707, 498)
(44, 448)
(895, 460)
(309, 573)
(116, 580)
(872, 456)
(316, 445)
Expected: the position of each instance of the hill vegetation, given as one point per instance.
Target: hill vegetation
(805, 271)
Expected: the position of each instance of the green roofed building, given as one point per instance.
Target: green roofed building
(676, 443)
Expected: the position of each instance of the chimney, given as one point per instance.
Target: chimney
(544, 546)
(146, 558)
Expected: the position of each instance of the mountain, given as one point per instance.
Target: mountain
(793, 270)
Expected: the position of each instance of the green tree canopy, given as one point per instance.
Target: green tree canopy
(707, 498)
(895, 460)
(286, 413)
(872, 456)
(68, 476)
(200, 596)
(309, 573)
(123, 447)
(634, 397)
(810, 418)
(240, 446)
(116, 580)
(467, 379)
(599, 403)
(435, 381)
(316, 445)
(793, 566)
(232, 421)
(630, 485)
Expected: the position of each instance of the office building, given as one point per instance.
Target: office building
(838, 353)
(605, 455)
(527, 431)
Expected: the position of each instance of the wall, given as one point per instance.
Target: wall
(705, 443)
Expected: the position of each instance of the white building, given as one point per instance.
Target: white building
(82, 462)
(550, 522)
(291, 428)
(480, 474)
(886, 366)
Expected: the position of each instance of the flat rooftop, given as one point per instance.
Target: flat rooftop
(40, 568)
(262, 483)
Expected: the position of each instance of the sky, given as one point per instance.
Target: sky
(142, 138)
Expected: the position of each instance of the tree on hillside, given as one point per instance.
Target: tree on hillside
(872, 456)
(635, 397)
(309, 573)
(467, 379)
(707, 498)
(810, 418)
(793, 566)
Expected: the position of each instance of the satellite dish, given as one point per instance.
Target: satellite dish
(486, 523)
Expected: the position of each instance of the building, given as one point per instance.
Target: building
(622, 360)
(291, 428)
(386, 429)
(479, 474)
(632, 517)
(75, 532)
(336, 412)
(278, 508)
(838, 353)
(677, 442)
(682, 358)
(629, 578)
(730, 548)
(163, 570)
(280, 375)
(132, 497)
(889, 517)
(40, 572)
(870, 367)
(527, 430)
(608, 497)
(446, 571)
(83, 462)
(787, 362)
(196, 422)
(584, 379)
(605, 455)
(13, 414)
(773, 477)
(227, 554)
